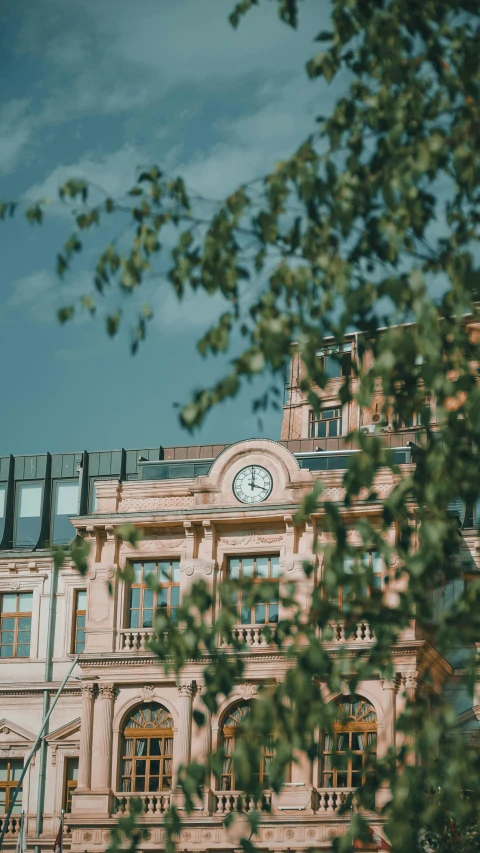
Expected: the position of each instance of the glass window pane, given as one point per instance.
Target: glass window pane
(148, 598)
(135, 597)
(66, 499)
(30, 500)
(176, 571)
(175, 596)
(82, 599)
(137, 572)
(234, 569)
(275, 567)
(164, 571)
(273, 613)
(262, 567)
(134, 619)
(9, 603)
(247, 567)
(25, 600)
(259, 614)
(3, 491)
(147, 618)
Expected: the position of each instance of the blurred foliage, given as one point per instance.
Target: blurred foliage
(373, 222)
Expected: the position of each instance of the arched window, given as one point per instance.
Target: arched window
(230, 732)
(147, 750)
(354, 737)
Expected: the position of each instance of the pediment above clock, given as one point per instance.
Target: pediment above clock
(289, 481)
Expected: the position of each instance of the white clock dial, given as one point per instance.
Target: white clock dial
(252, 484)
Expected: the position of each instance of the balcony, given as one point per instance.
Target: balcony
(134, 639)
(13, 827)
(327, 801)
(343, 633)
(252, 635)
(152, 804)
(225, 802)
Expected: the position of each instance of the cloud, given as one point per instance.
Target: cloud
(16, 129)
(41, 294)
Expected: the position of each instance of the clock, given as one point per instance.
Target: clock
(252, 484)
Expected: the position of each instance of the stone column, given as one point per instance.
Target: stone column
(102, 767)
(184, 736)
(389, 703)
(85, 760)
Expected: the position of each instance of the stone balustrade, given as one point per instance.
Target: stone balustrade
(254, 636)
(360, 633)
(234, 801)
(152, 804)
(13, 827)
(329, 800)
(135, 639)
(251, 635)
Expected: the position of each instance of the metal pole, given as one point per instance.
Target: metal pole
(46, 704)
(32, 752)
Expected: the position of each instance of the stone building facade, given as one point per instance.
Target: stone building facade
(121, 727)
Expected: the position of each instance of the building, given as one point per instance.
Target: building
(121, 727)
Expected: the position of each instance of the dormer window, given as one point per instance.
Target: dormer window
(336, 360)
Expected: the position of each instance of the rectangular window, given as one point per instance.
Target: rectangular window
(65, 505)
(261, 568)
(336, 360)
(10, 772)
(327, 423)
(79, 623)
(71, 782)
(371, 559)
(144, 602)
(28, 515)
(3, 492)
(15, 624)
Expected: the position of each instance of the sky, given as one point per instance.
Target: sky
(94, 89)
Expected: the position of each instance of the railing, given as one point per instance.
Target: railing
(234, 801)
(251, 635)
(152, 804)
(13, 826)
(361, 633)
(135, 639)
(329, 800)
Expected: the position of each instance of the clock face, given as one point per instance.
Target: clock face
(252, 484)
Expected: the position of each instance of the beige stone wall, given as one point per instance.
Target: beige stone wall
(201, 523)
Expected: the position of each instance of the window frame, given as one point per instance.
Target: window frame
(55, 484)
(345, 360)
(68, 784)
(18, 486)
(169, 586)
(230, 733)
(75, 627)
(317, 419)
(163, 733)
(349, 728)
(342, 589)
(9, 784)
(256, 580)
(16, 616)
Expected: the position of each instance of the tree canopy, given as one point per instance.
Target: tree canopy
(372, 223)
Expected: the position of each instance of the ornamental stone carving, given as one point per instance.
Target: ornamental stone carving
(187, 690)
(247, 691)
(148, 694)
(251, 538)
(106, 691)
(138, 504)
(148, 545)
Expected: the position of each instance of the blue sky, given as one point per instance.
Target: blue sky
(93, 88)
